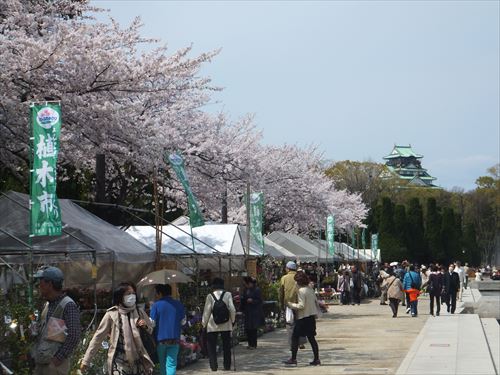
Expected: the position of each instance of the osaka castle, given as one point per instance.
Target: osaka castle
(405, 164)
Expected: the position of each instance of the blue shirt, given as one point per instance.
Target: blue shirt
(168, 314)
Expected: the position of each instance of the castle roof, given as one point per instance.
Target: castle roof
(402, 152)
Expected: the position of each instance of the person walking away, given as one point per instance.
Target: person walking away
(413, 296)
(394, 289)
(53, 348)
(120, 326)
(307, 309)
(451, 286)
(400, 272)
(461, 277)
(251, 306)
(343, 287)
(466, 274)
(356, 285)
(383, 275)
(424, 276)
(411, 280)
(435, 289)
(218, 318)
(169, 316)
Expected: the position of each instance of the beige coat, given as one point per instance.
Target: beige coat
(109, 329)
(208, 320)
(396, 287)
(306, 305)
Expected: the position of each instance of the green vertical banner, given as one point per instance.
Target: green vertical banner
(45, 213)
(195, 216)
(353, 242)
(330, 234)
(363, 241)
(375, 246)
(256, 215)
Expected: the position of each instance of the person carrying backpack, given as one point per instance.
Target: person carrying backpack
(219, 316)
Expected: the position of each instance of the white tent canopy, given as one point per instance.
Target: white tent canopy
(209, 239)
(309, 250)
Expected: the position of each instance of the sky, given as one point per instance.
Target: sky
(352, 77)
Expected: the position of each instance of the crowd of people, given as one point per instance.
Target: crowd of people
(138, 341)
(404, 282)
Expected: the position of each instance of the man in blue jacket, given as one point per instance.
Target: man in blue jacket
(169, 316)
(411, 278)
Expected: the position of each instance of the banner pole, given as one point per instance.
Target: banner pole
(30, 236)
(248, 219)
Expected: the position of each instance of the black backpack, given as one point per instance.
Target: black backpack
(220, 312)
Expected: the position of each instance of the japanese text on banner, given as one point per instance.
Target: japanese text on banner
(45, 211)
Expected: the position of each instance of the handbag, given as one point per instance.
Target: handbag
(149, 343)
(319, 312)
(289, 317)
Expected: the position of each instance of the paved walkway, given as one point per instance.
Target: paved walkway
(459, 344)
(361, 339)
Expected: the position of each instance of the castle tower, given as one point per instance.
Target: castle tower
(405, 164)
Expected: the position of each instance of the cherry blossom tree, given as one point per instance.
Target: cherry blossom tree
(117, 101)
(126, 98)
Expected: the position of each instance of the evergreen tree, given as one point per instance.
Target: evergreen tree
(388, 243)
(401, 230)
(472, 251)
(433, 231)
(416, 240)
(460, 251)
(448, 236)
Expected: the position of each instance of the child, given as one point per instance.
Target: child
(413, 293)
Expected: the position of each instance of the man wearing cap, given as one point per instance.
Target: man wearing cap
(288, 286)
(288, 293)
(52, 349)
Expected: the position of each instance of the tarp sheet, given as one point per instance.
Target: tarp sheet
(83, 233)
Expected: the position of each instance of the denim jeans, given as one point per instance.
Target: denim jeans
(413, 307)
(167, 356)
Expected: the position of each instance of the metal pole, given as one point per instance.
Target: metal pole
(248, 218)
(112, 274)
(317, 265)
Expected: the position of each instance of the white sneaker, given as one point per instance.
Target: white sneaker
(408, 310)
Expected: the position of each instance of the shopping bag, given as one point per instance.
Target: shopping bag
(56, 330)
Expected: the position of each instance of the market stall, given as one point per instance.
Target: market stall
(86, 240)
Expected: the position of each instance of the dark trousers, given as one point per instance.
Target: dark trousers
(407, 298)
(394, 303)
(356, 295)
(251, 337)
(451, 301)
(436, 298)
(312, 341)
(212, 349)
(344, 298)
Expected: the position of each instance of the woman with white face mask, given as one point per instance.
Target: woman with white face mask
(122, 322)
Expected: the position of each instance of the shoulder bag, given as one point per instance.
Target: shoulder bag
(148, 341)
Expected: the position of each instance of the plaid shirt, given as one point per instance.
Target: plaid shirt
(71, 317)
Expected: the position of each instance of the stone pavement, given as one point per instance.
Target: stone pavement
(459, 344)
(361, 339)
